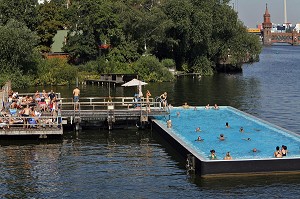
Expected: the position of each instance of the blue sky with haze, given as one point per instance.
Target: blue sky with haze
(251, 11)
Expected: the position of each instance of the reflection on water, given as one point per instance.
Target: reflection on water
(29, 167)
(138, 164)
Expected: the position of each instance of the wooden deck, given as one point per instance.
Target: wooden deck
(111, 110)
(90, 110)
(40, 131)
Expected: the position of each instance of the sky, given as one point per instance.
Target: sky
(251, 11)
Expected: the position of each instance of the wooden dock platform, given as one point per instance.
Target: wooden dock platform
(109, 110)
(88, 112)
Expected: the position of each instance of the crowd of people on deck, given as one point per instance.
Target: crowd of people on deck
(29, 111)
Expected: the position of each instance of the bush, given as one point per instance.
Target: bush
(150, 69)
(203, 66)
(168, 63)
(55, 72)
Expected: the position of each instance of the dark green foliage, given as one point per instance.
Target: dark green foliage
(150, 69)
(117, 36)
(55, 72)
(17, 44)
(50, 20)
(168, 63)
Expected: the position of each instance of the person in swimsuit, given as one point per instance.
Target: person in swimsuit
(163, 98)
(25, 114)
(227, 125)
(216, 107)
(213, 155)
(228, 156)
(198, 129)
(284, 150)
(277, 153)
(199, 139)
(185, 105)
(76, 93)
(222, 138)
(148, 95)
(207, 106)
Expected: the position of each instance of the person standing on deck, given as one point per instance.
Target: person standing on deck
(163, 98)
(76, 93)
(148, 95)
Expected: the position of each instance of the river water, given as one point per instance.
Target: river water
(136, 163)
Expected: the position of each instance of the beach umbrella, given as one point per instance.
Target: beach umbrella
(136, 82)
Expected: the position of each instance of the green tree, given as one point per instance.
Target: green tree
(150, 69)
(24, 11)
(55, 72)
(50, 20)
(17, 44)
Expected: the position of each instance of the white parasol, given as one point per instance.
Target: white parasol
(136, 82)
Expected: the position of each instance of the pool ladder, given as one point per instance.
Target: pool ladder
(190, 163)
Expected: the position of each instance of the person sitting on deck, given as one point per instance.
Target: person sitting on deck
(25, 113)
(136, 101)
(277, 153)
(42, 104)
(32, 123)
(4, 123)
(51, 95)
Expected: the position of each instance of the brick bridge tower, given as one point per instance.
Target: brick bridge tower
(267, 26)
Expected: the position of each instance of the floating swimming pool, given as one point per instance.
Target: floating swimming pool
(258, 134)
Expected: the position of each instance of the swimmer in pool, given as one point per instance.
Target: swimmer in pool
(199, 139)
(255, 150)
(227, 125)
(228, 156)
(247, 139)
(207, 106)
(277, 153)
(213, 155)
(222, 138)
(216, 107)
(198, 129)
(284, 150)
(186, 106)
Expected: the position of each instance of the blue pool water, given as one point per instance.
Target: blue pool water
(263, 135)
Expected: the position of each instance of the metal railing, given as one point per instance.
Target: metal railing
(105, 103)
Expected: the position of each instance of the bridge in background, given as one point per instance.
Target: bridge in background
(270, 38)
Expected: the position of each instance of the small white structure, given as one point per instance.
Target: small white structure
(43, 1)
(297, 27)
